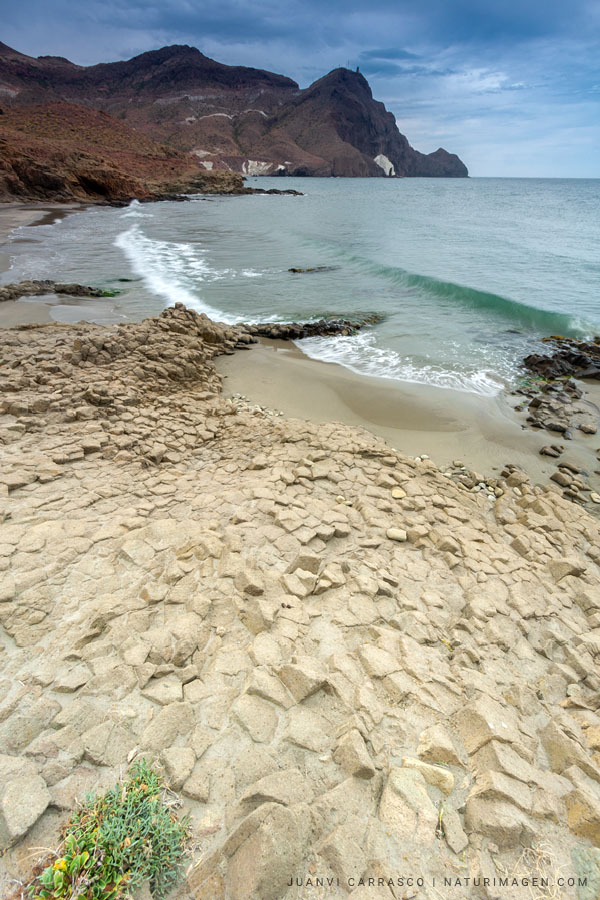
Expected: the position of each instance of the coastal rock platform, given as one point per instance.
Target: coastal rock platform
(351, 668)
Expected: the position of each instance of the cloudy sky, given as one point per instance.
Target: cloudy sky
(512, 86)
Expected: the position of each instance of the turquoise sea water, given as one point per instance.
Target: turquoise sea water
(469, 273)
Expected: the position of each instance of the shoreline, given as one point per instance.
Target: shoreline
(18, 215)
(481, 431)
(14, 215)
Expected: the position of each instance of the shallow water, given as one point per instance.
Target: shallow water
(469, 273)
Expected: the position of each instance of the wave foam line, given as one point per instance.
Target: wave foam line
(134, 211)
(167, 268)
(361, 355)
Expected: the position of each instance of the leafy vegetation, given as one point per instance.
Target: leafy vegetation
(536, 382)
(115, 842)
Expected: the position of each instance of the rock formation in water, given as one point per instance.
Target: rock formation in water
(228, 117)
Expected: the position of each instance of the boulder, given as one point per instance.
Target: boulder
(563, 751)
(451, 825)
(287, 787)
(178, 763)
(304, 676)
(352, 755)
(436, 746)
(265, 852)
(406, 809)
(583, 805)
(377, 663)
(307, 729)
(483, 720)
(23, 798)
(437, 776)
(499, 820)
(343, 850)
(256, 716)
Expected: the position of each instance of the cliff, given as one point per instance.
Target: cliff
(232, 117)
(347, 132)
(62, 152)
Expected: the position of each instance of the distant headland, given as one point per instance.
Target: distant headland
(172, 119)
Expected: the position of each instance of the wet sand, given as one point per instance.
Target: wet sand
(23, 312)
(484, 432)
(16, 215)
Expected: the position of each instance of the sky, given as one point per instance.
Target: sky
(511, 86)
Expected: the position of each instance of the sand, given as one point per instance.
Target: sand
(484, 432)
(17, 215)
(24, 312)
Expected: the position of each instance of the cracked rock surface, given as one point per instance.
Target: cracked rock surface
(347, 664)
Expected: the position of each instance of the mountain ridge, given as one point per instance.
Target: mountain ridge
(235, 118)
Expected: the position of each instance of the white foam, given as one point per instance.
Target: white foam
(134, 211)
(170, 270)
(360, 354)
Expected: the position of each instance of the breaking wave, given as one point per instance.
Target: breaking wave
(171, 270)
(360, 354)
(515, 312)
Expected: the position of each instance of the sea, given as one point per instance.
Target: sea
(468, 274)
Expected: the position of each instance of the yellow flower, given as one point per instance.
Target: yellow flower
(60, 864)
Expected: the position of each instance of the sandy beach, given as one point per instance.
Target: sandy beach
(482, 431)
(14, 215)
(17, 215)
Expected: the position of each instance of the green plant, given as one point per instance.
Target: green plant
(113, 843)
(111, 292)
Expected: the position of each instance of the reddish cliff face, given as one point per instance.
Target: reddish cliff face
(232, 117)
(62, 152)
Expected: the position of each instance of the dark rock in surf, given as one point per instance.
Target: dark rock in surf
(38, 288)
(572, 357)
(294, 331)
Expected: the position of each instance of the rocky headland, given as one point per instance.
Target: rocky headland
(62, 153)
(349, 665)
(157, 123)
